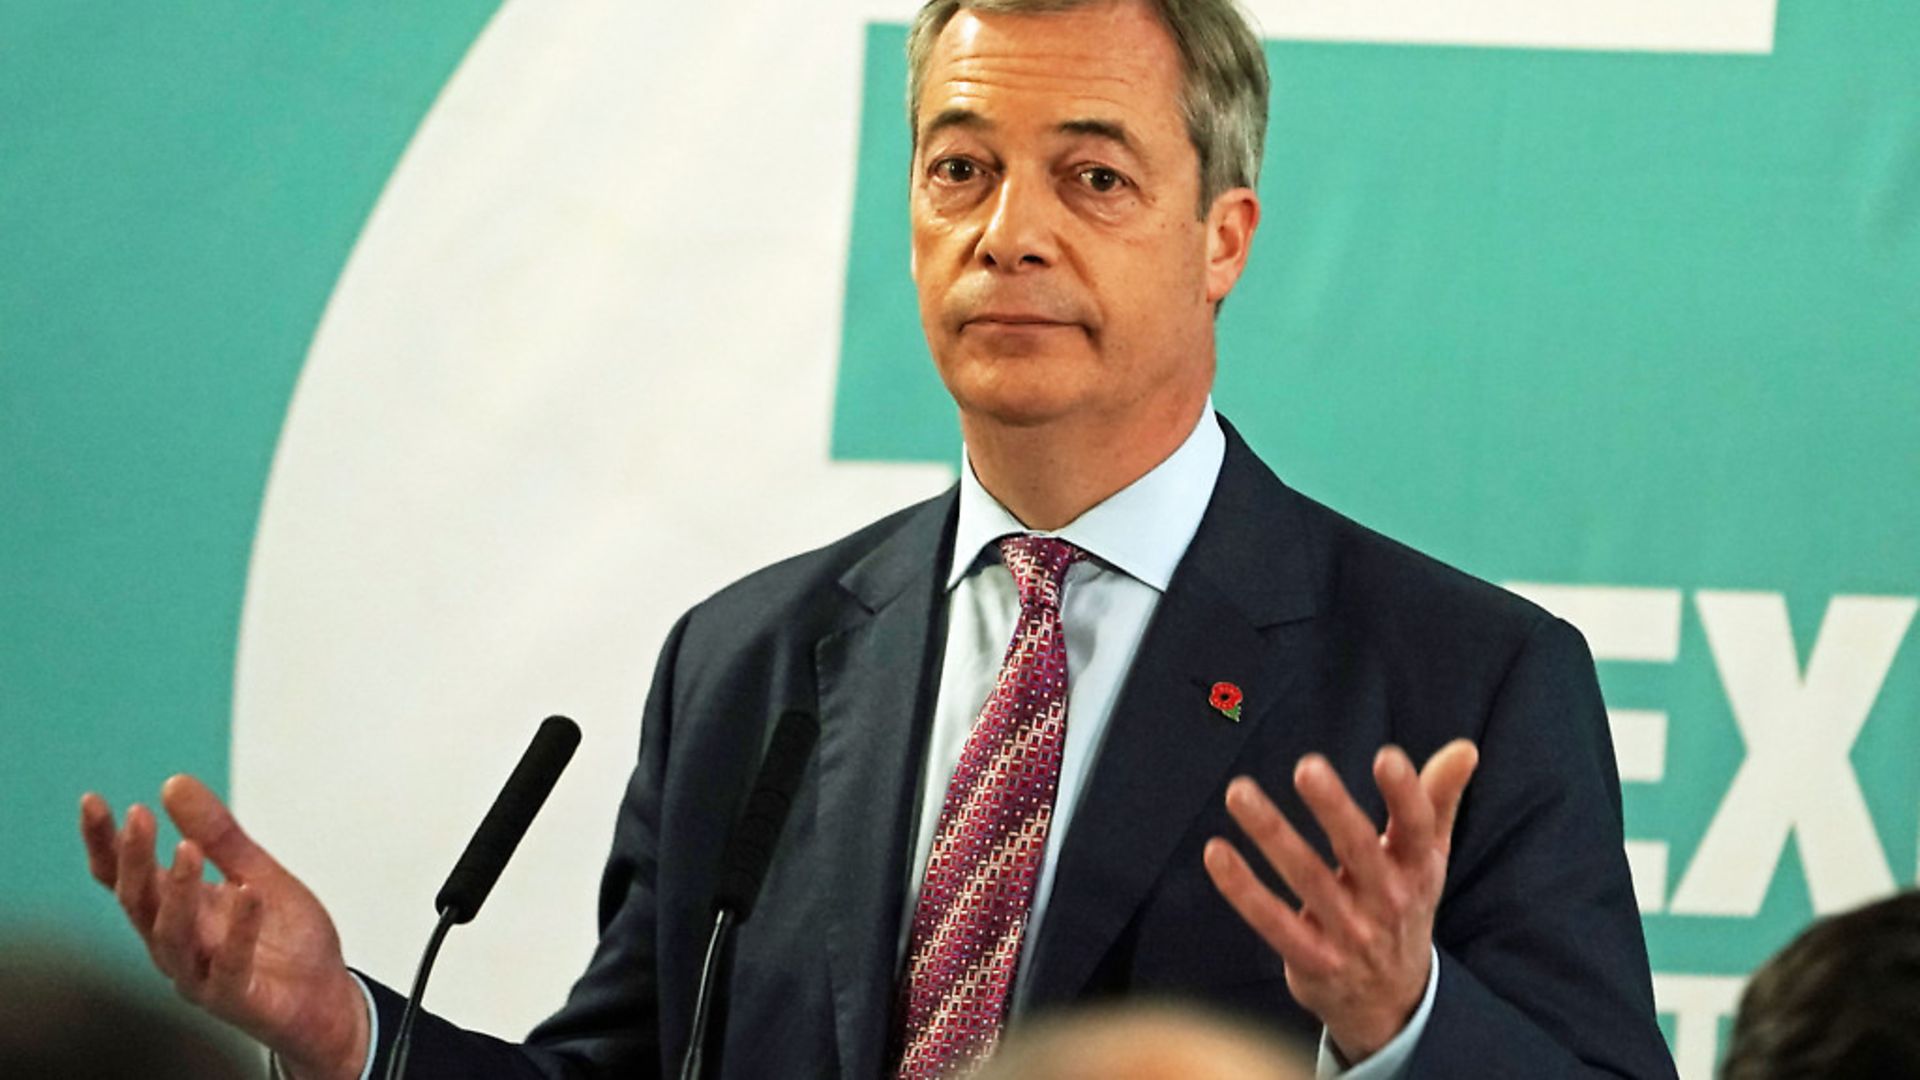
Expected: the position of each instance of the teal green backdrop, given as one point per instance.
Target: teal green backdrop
(1636, 327)
(180, 184)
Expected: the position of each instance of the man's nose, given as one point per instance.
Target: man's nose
(1019, 233)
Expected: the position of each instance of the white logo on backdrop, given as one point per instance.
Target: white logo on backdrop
(1798, 725)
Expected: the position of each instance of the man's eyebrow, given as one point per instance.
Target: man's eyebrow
(955, 117)
(1100, 129)
(1110, 130)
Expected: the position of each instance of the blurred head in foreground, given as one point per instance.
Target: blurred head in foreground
(1143, 1042)
(1841, 1001)
(62, 1020)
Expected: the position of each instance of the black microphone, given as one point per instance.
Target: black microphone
(744, 861)
(486, 855)
(506, 822)
(750, 844)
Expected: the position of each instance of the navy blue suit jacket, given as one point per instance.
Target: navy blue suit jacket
(1341, 640)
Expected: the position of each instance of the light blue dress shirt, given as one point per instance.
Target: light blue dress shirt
(1136, 538)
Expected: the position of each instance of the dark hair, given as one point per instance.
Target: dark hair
(1841, 1001)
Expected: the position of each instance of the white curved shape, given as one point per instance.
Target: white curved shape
(577, 374)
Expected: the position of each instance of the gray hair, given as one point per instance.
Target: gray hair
(1223, 77)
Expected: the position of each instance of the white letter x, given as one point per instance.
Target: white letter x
(1796, 777)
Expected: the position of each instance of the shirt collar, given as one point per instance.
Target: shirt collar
(1141, 530)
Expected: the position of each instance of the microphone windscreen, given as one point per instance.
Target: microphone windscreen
(506, 822)
(750, 845)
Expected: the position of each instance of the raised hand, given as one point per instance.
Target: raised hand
(1358, 950)
(256, 950)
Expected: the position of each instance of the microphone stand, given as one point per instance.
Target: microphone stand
(403, 1039)
(486, 855)
(745, 859)
(703, 1002)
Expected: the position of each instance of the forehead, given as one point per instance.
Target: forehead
(1106, 61)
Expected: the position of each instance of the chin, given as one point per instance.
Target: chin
(1020, 381)
(1018, 402)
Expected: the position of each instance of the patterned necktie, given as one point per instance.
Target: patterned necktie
(972, 913)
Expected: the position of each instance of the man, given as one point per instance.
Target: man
(963, 849)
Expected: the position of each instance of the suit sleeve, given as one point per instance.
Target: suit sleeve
(609, 1026)
(1543, 963)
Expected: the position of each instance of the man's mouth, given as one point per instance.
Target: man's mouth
(1016, 319)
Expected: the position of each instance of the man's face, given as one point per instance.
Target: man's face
(1062, 268)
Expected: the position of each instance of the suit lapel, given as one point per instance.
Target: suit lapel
(876, 676)
(1250, 571)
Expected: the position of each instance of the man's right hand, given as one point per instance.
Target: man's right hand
(256, 950)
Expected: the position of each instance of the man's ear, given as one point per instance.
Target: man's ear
(1231, 219)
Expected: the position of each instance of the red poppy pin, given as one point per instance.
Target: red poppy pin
(1226, 697)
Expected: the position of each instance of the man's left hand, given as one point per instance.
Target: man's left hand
(1357, 951)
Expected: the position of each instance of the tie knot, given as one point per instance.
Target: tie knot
(1039, 565)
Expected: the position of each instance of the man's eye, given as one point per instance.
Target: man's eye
(954, 170)
(1102, 179)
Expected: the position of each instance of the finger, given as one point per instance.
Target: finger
(1355, 839)
(232, 963)
(134, 873)
(1296, 862)
(96, 831)
(1410, 816)
(176, 924)
(204, 819)
(1445, 780)
(1302, 947)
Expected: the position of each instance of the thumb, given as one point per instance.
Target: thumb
(1445, 780)
(202, 818)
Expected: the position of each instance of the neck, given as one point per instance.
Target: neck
(1048, 474)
